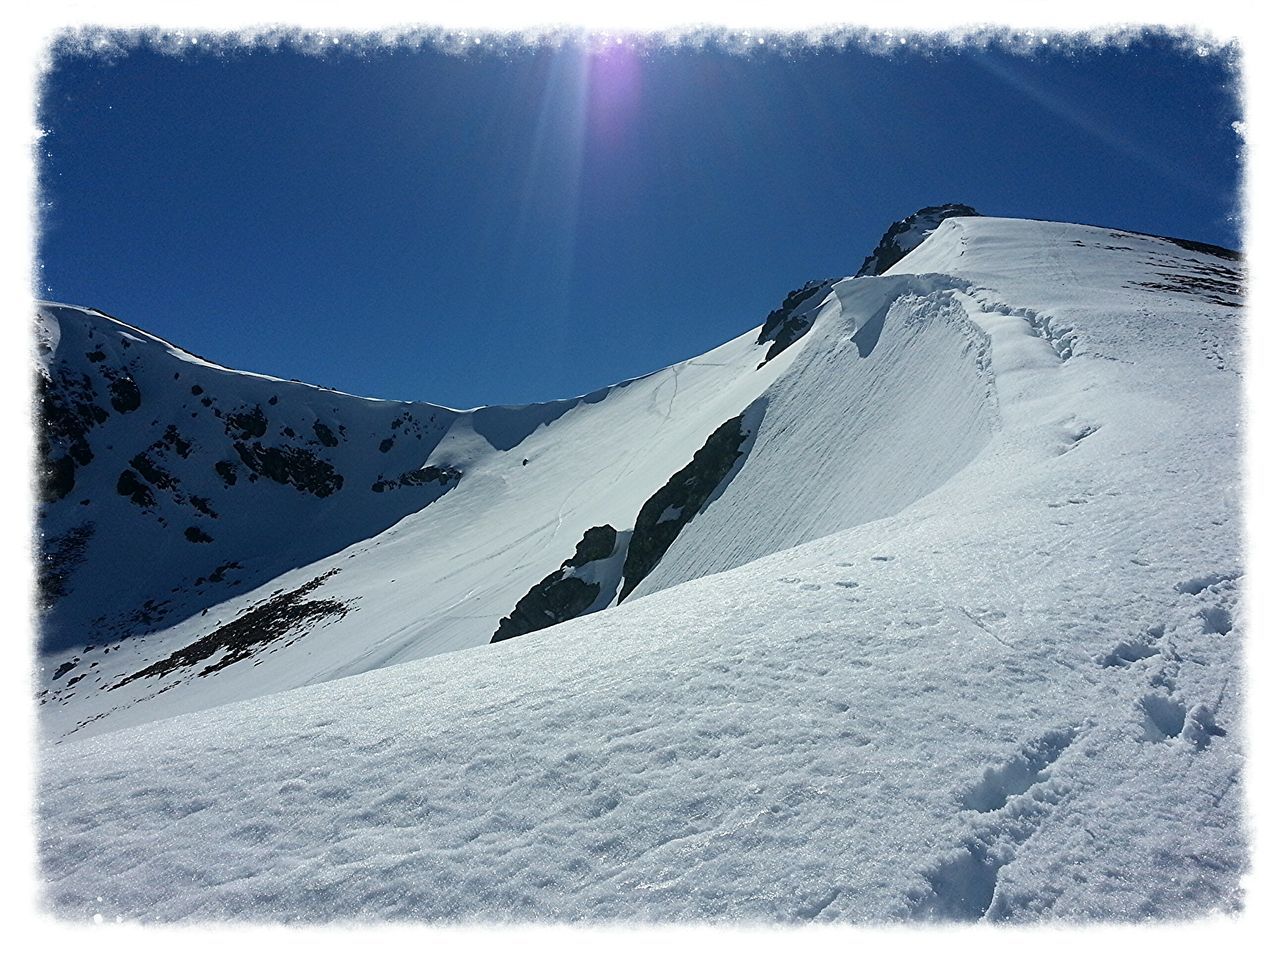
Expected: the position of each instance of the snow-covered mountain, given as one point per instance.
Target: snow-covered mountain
(907, 234)
(918, 601)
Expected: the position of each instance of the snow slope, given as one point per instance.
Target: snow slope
(957, 636)
(283, 582)
(450, 561)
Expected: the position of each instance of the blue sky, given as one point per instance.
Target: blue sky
(531, 223)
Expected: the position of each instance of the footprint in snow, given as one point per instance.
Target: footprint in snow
(1215, 619)
(1017, 775)
(1162, 717)
(1128, 652)
(961, 886)
(1198, 585)
(1165, 718)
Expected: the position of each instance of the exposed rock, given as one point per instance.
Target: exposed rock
(226, 469)
(596, 544)
(203, 505)
(251, 631)
(196, 535)
(65, 668)
(678, 501)
(153, 473)
(125, 395)
(66, 411)
(905, 235)
(176, 441)
(1196, 246)
(787, 324)
(560, 596)
(247, 423)
(220, 571)
(57, 560)
(57, 477)
(294, 466)
(130, 485)
(324, 434)
(1220, 284)
(445, 476)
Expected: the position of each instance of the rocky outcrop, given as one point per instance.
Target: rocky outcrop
(130, 485)
(789, 322)
(66, 412)
(247, 424)
(247, 634)
(907, 234)
(57, 558)
(445, 476)
(296, 467)
(679, 500)
(125, 396)
(560, 596)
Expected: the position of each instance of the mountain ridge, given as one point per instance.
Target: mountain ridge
(362, 487)
(977, 582)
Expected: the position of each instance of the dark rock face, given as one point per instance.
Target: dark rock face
(125, 395)
(220, 572)
(66, 411)
(65, 668)
(57, 560)
(57, 478)
(295, 466)
(226, 469)
(445, 476)
(905, 235)
(667, 512)
(155, 475)
(203, 505)
(560, 596)
(187, 447)
(251, 631)
(785, 325)
(247, 424)
(596, 544)
(324, 434)
(175, 441)
(130, 485)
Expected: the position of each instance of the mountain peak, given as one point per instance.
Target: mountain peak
(907, 234)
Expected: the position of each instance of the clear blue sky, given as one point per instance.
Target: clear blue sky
(533, 224)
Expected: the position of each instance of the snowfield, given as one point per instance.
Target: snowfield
(957, 635)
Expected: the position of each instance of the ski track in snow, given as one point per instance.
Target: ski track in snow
(982, 671)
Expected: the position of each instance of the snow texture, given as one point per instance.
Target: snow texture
(959, 639)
